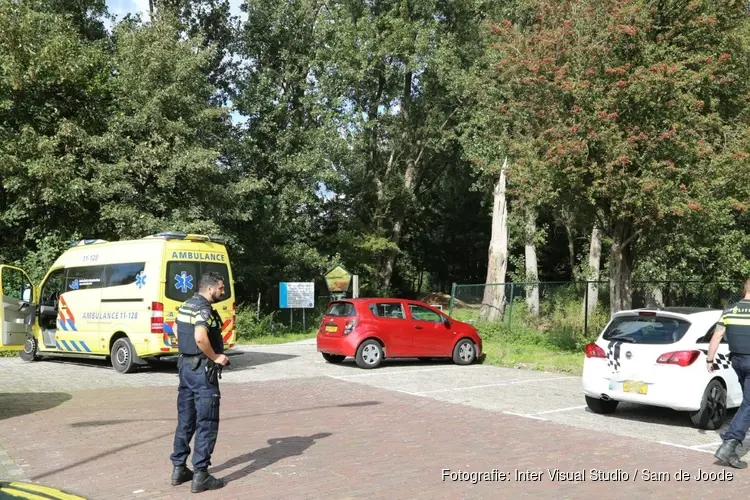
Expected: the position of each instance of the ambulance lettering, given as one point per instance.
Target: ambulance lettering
(110, 315)
(215, 257)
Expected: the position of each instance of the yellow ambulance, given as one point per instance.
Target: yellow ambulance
(113, 299)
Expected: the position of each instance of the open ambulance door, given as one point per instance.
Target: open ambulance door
(18, 310)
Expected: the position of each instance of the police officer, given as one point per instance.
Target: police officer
(735, 324)
(201, 354)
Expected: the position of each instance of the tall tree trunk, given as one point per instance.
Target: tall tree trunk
(592, 274)
(493, 303)
(621, 267)
(386, 273)
(532, 272)
(567, 221)
(398, 228)
(654, 297)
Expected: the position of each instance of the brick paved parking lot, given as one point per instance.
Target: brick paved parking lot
(295, 427)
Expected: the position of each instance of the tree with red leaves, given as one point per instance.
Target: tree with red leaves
(634, 112)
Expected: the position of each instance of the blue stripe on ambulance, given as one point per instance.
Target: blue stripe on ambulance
(62, 324)
(78, 345)
(72, 326)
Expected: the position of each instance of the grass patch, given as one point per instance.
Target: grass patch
(532, 357)
(9, 354)
(553, 341)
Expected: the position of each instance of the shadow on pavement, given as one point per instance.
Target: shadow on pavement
(101, 423)
(239, 360)
(22, 403)
(279, 449)
(414, 362)
(151, 439)
(664, 416)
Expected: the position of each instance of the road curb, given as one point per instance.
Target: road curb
(9, 470)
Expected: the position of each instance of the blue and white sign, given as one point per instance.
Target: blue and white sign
(297, 295)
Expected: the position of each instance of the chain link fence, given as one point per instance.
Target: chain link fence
(579, 308)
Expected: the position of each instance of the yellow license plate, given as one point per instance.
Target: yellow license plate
(332, 328)
(634, 386)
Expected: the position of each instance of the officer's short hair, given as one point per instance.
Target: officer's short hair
(210, 278)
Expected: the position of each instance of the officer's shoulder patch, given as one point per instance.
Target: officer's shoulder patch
(205, 314)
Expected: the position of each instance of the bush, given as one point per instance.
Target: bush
(251, 326)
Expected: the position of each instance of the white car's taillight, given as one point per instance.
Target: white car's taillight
(594, 351)
(680, 358)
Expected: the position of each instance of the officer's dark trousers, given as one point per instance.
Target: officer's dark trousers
(741, 421)
(197, 413)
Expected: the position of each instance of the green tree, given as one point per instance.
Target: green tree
(53, 100)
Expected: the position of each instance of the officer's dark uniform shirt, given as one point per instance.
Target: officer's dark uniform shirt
(197, 311)
(736, 319)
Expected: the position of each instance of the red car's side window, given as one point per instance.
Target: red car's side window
(391, 310)
(419, 313)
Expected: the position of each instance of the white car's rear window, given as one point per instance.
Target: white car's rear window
(653, 329)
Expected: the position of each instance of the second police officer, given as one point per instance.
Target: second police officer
(201, 357)
(735, 325)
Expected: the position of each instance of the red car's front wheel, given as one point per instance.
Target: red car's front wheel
(464, 353)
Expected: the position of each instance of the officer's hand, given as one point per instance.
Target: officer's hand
(222, 360)
(710, 367)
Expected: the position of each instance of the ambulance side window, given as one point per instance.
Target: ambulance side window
(122, 274)
(84, 278)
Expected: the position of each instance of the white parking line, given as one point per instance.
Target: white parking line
(558, 410)
(499, 384)
(525, 416)
(713, 445)
(392, 372)
(685, 447)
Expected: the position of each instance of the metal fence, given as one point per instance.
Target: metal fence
(581, 307)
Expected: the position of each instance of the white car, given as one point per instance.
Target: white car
(657, 357)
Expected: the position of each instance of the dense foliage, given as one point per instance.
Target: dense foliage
(369, 134)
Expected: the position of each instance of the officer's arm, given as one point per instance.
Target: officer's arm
(201, 335)
(715, 340)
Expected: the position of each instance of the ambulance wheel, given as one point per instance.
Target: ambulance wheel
(123, 356)
(29, 351)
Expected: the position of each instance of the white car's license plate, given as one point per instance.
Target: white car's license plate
(635, 386)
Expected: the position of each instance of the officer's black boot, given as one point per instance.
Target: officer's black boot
(181, 474)
(727, 453)
(203, 481)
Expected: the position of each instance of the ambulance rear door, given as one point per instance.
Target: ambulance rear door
(183, 272)
(18, 308)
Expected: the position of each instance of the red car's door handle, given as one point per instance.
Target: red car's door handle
(418, 327)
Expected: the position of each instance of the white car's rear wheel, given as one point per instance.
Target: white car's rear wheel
(713, 410)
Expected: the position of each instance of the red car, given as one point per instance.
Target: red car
(370, 330)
